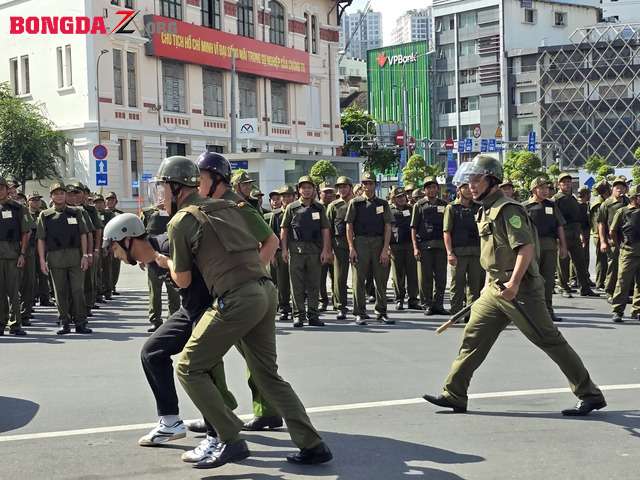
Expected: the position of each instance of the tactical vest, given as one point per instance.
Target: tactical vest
(227, 254)
(305, 224)
(275, 221)
(465, 228)
(401, 230)
(583, 208)
(631, 226)
(432, 221)
(34, 230)
(60, 233)
(542, 216)
(368, 222)
(568, 206)
(340, 223)
(10, 213)
(93, 214)
(156, 223)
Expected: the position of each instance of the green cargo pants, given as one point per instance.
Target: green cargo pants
(107, 275)
(304, 275)
(9, 295)
(340, 274)
(490, 315)
(613, 255)
(369, 250)
(284, 284)
(467, 280)
(90, 286)
(261, 408)
(547, 267)
(404, 271)
(628, 278)
(244, 316)
(28, 284)
(601, 264)
(433, 269)
(576, 256)
(115, 273)
(325, 271)
(155, 298)
(68, 286)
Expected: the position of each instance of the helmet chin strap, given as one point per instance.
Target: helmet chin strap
(492, 182)
(215, 181)
(175, 188)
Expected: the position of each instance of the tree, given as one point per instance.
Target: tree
(553, 171)
(415, 171)
(635, 171)
(355, 120)
(381, 160)
(522, 167)
(604, 172)
(323, 170)
(30, 147)
(594, 163)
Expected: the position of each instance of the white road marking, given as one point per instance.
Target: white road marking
(330, 408)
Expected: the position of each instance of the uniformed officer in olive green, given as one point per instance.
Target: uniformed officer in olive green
(625, 232)
(287, 196)
(369, 236)
(243, 184)
(462, 242)
(306, 246)
(575, 240)
(63, 252)
(105, 269)
(244, 315)
(409, 188)
(337, 215)
(255, 200)
(404, 268)
(584, 203)
(428, 247)
(155, 220)
(507, 246)
(112, 206)
(91, 285)
(275, 203)
(29, 282)
(14, 239)
(549, 223)
(507, 188)
(42, 288)
(607, 211)
(327, 195)
(416, 196)
(603, 189)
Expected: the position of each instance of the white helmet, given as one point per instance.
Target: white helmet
(126, 225)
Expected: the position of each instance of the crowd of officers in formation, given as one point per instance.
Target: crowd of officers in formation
(53, 251)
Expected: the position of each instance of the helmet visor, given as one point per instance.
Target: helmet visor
(155, 192)
(465, 172)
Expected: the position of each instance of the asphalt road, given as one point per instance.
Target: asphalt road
(74, 407)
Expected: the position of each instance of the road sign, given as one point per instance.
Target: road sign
(477, 132)
(492, 145)
(468, 145)
(100, 152)
(461, 145)
(452, 165)
(532, 141)
(239, 164)
(400, 138)
(102, 176)
(499, 133)
(484, 145)
(448, 143)
(147, 177)
(135, 184)
(589, 182)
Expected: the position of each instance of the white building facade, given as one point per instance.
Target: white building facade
(360, 34)
(165, 88)
(413, 26)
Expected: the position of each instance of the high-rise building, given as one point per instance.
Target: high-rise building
(361, 33)
(413, 26)
(625, 11)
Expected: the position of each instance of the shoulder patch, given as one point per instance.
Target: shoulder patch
(515, 221)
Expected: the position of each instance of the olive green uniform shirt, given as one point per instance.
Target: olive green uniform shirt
(447, 226)
(616, 225)
(256, 224)
(11, 250)
(66, 257)
(185, 240)
(608, 209)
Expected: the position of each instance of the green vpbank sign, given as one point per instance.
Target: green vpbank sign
(393, 70)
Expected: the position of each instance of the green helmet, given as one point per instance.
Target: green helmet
(506, 182)
(397, 192)
(429, 181)
(56, 186)
(305, 179)
(368, 177)
(242, 177)
(409, 187)
(539, 182)
(564, 175)
(286, 190)
(480, 165)
(583, 191)
(619, 180)
(326, 187)
(634, 191)
(180, 170)
(344, 181)
(123, 226)
(75, 186)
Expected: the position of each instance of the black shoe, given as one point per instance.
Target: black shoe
(108, 297)
(89, 314)
(18, 332)
(115, 293)
(584, 407)
(298, 324)
(341, 316)
(442, 401)
(196, 426)
(26, 323)
(566, 294)
(438, 310)
(588, 293)
(592, 284)
(414, 306)
(311, 456)
(95, 307)
(284, 317)
(428, 311)
(371, 299)
(46, 303)
(322, 307)
(617, 318)
(64, 330)
(154, 327)
(400, 305)
(2, 332)
(366, 316)
(83, 329)
(316, 323)
(100, 300)
(555, 318)
(382, 317)
(259, 424)
(225, 453)
(360, 320)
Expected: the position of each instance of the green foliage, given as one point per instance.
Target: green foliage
(354, 120)
(594, 163)
(30, 147)
(415, 170)
(323, 170)
(381, 160)
(553, 171)
(604, 171)
(522, 167)
(637, 153)
(635, 174)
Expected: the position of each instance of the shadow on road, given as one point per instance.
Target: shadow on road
(16, 413)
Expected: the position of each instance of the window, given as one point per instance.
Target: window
(447, 106)
(173, 86)
(211, 14)
(279, 102)
(469, 104)
(174, 149)
(60, 67)
(67, 70)
(528, 63)
(560, 19)
(446, 51)
(445, 79)
(469, 76)
(248, 96)
(306, 32)
(121, 149)
(212, 84)
(117, 76)
(468, 48)
(467, 130)
(25, 82)
(529, 15)
(132, 86)
(215, 148)
(528, 97)
(245, 18)
(64, 66)
(566, 95)
(15, 82)
(524, 129)
(133, 145)
(314, 34)
(447, 132)
(277, 30)
(612, 92)
(313, 107)
(171, 9)
(127, 3)
(468, 20)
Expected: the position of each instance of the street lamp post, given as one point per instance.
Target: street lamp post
(102, 52)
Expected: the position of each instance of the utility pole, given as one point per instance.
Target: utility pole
(234, 112)
(102, 52)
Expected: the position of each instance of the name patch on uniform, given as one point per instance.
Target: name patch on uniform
(515, 221)
(440, 209)
(379, 210)
(72, 221)
(163, 213)
(7, 214)
(406, 213)
(548, 210)
(315, 215)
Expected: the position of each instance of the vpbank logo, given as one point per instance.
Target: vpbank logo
(384, 60)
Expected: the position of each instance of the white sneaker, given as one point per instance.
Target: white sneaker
(163, 433)
(204, 449)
